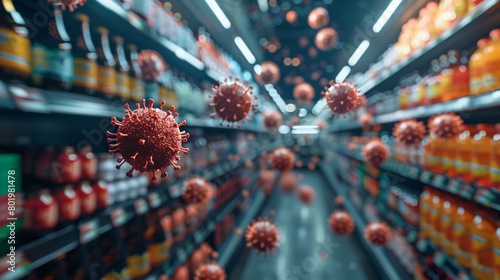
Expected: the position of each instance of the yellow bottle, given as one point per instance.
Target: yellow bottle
(483, 236)
(476, 68)
(447, 222)
(425, 207)
(491, 71)
(495, 159)
(462, 245)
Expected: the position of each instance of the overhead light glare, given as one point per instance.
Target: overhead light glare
(386, 15)
(358, 53)
(244, 49)
(344, 72)
(219, 14)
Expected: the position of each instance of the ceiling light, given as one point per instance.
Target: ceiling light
(302, 112)
(305, 131)
(257, 69)
(244, 49)
(307, 127)
(291, 107)
(219, 14)
(287, 61)
(386, 15)
(263, 6)
(284, 129)
(358, 53)
(343, 74)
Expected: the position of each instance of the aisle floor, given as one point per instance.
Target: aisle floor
(308, 250)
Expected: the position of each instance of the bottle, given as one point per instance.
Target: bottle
(491, 73)
(85, 65)
(481, 152)
(89, 162)
(69, 204)
(433, 87)
(15, 47)
(476, 68)
(40, 211)
(462, 235)
(101, 190)
(67, 167)
(449, 12)
(459, 76)
(497, 252)
(483, 236)
(495, 158)
(435, 217)
(106, 83)
(445, 78)
(464, 154)
(88, 198)
(122, 70)
(447, 222)
(425, 207)
(52, 61)
(136, 83)
(449, 156)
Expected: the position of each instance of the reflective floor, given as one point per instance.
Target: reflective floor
(308, 250)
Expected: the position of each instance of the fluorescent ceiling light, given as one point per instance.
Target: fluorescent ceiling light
(343, 74)
(244, 49)
(386, 15)
(219, 14)
(184, 55)
(263, 5)
(214, 75)
(283, 129)
(291, 107)
(358, 53)
(320, 105)
(305, 131)
(307, 127)
(302, 112)
(257, 69)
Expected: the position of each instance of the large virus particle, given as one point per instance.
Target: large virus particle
(152, 65)
(282, 159)
(272, 120)
(446, 126)
(378, 234)
(341, 223)
(318, 18)
(326, 39)
(211, 271)
(270, 73)
(366, 119)
(375, 152)
(288, 182)
(306, 194)
(196, 190)
(303, 93)
(409, 132)
(262, 235)
(233, 101)
(341, 98)
(149, 139)
(71, 5)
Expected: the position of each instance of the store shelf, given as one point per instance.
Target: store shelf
(459, 36)
(470, 103)
(487, 197)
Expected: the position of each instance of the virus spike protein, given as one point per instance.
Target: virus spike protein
(409, 132)
(341, 98)
(149, 139)
(263, 236)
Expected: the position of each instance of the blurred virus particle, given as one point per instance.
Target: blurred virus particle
(306, 194)
(272, 120)
(245, 193)
(291, 16)
(326, 39)
(149, 139)
(295, 120)
(208, 251)
(300, 176)
(378, 234)
(192, 213)
(318, 18)
(270, 73)
(282, 159)
(71, 5)
(311, 166)
(409, 132)
(341, 98)
(196, 190)
(339, 200)
(267, 189)
(361, 101)
(312, 52)
(303, 93)
(232, 102)
(263, 236)
(238, 231)
(299, 164)
(352, 147)
(288, 182)
(211, 271)
(266, 177)
(375, 152)
(152, 65)
(303, 41)
(315, 159)
(248, 164)
(181, 273)
(296, 148)
(365, 120)
(446, 126)
(341, 223)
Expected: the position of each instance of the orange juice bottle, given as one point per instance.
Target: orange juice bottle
(432, 11)
(449, 156)
(481, 153)
(431, 161)
(462, 245)
(495, 158)
(491, 71)
(421, 37)
(449, 12)
(476, 68)
(446, 74)
(425, 208)
(483, 237)
(432, 93)
(447, 222)
(464, 153)
(435, 217)
(460, 74)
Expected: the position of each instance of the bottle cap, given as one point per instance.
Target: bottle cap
(495, 34)
(102, 30)
(82, 17)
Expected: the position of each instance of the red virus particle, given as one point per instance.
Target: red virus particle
(326, 39)
(270, 73)
(318, 18)
(211, 271)
(299, 164)
(315, 159)
(152, 65)
(291, 16)
(375, 152)
(409, 132)
(288, 182)
(366, 119)
(149, 139)
(339, 200)
(282, 159)
(233, 101)
(306, 194)
(238, 231)
(446, 126)
(341, 98)
(296, 148)
(311, 166)
(303, 41)
(71, 5)
(341, 223)
(196, 190)
(378, 234)
(248, 163)
(352, 147)
(263, 236)
(272, 120)
(303, 93)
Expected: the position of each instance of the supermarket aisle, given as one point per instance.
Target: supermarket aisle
(308, 250)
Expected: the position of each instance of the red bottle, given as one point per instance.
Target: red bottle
(89, 162)
(88, 198)
(68, 167)
(40, 211)
(69, 204)
(101, 190)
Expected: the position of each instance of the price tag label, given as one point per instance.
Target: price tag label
(453, 186)
(89, 231)
(484, 196)
(466, 190)
(154, 200)
(425, 177)
(423, 245)
(141, 207)
(118, 217)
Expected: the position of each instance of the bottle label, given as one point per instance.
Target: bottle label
(46, 218)
(482, 259)
(491, 76)
(479, 170)
(14, 51)
(55, 64)
(495, 172)
(137, 89)
(460, 166)
(89, 203)
(138, 265)
(122, 85)
(107, 80)
(158, 253)
(86, 73)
